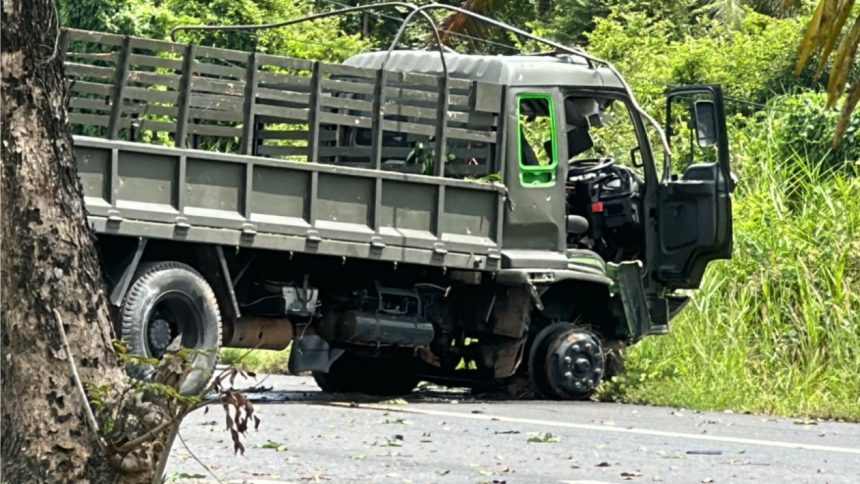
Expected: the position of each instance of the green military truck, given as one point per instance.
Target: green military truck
(410, 214)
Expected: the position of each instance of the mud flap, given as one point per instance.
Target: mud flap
(312, 353)
(628, 276)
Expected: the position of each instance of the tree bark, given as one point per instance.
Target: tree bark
(49, 266)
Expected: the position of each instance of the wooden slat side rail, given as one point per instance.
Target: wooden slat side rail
(250, 105)
(260, 104)
(118, 88)
(181, 140)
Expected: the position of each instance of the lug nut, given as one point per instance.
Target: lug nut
(567, 359)
(568, 375)
(588, 346)
(597, 371)
(575, 348)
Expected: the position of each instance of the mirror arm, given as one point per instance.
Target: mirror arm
(633, 152)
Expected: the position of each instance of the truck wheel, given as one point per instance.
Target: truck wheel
(169, 300)
(566, 362)
(373, 376)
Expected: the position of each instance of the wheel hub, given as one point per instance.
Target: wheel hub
(566, 362)
(575, 363)
(159, 336)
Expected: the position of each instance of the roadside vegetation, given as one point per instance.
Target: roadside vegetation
(776, 329)
(261, 361)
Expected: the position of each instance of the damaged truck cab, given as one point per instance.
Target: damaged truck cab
(469, 220)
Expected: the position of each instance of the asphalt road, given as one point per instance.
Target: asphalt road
(451, 437)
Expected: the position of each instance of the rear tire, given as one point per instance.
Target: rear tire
(169, 300)
(373, 376)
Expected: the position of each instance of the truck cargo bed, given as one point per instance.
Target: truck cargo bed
(215, 146)
(142, 190)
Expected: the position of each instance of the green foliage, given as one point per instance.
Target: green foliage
(751, 63)
(98, 395)
(832, 34)
(262, 361)
(425, 155)
(572, 20)
(321, 39)
(132, 17)
(271, 444)
(803, 130)
(546, 438)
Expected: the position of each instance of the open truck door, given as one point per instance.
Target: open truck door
(694, 201)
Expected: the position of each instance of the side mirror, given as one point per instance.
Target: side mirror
(706, 123)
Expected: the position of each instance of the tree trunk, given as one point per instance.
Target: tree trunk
(49, 267)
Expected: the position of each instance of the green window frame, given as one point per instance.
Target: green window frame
(537, 175)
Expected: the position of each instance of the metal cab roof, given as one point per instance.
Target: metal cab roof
(517, 70)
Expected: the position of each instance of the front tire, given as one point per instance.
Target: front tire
(566, 362)
(169, 300)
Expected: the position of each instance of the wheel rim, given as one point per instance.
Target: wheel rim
(574, 363)
(566, 362)
(173, 314)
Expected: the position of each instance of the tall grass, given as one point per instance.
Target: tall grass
(777, 328)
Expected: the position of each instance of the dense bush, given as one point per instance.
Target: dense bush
(322, 39)
(752, 63)
(802, 132)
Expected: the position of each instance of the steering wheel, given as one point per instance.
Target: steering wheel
(590, 165)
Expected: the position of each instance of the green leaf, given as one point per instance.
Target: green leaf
(547, 438)
(271, 444)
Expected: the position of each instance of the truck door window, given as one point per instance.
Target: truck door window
(537, 144)
(689, 144)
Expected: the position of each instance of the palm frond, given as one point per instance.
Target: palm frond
(826, 34)
(457, 23)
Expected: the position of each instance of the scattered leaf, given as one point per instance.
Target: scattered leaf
(271, 444)
(547, 438)
(397, 421)
(184, 475)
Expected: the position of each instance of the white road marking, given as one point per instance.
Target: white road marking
(585, 482)
(603, 428)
